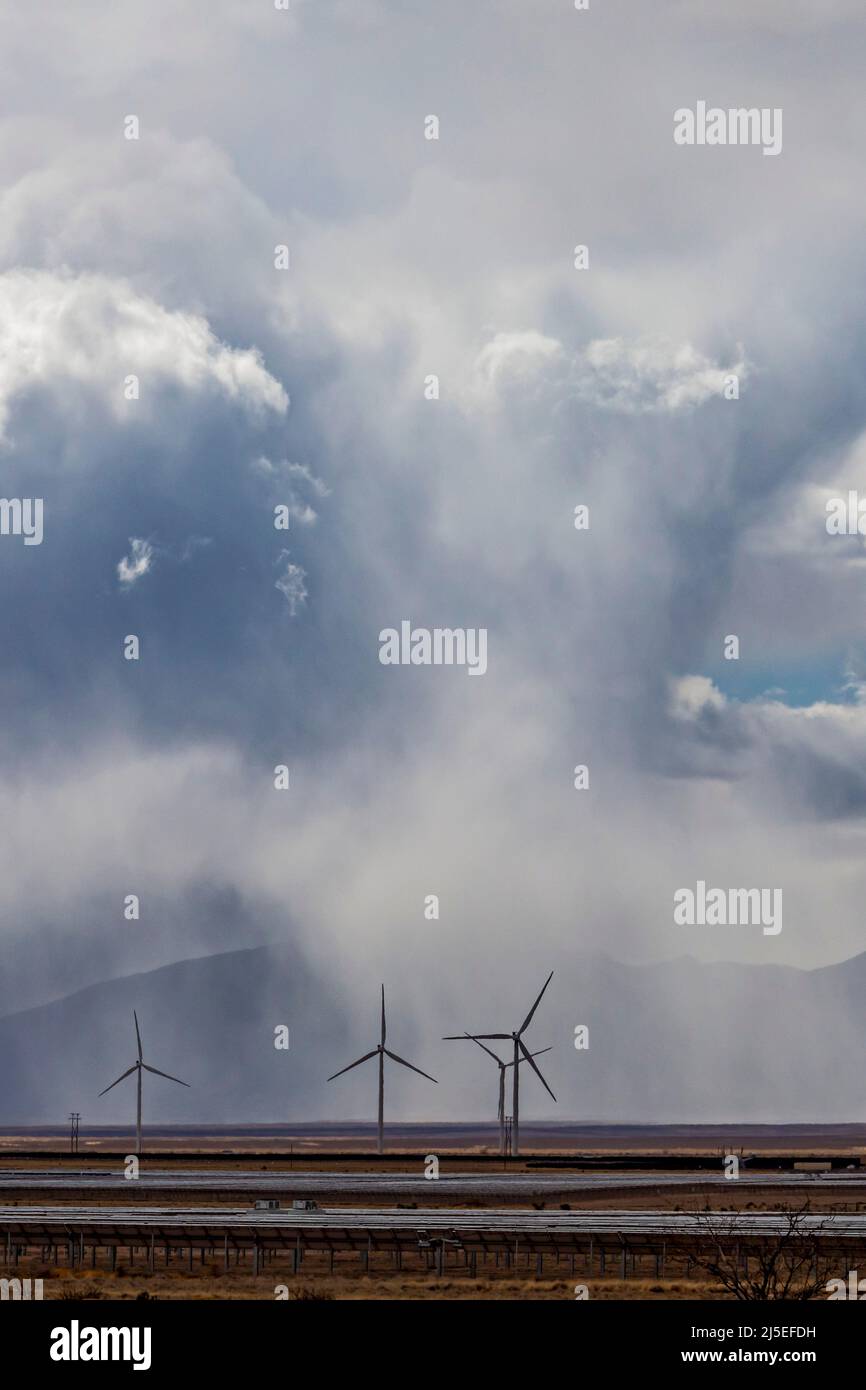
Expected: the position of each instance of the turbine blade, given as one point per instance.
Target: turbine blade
(404, 1063)
(528, 1019)
(488, 1050)
(365, 1058)
(475, 1036)
(165, 1074)
(383, 1015)
(470, 1037)
(137, 1034)
(521, 1060)
(133, 1068)
(528, 1055)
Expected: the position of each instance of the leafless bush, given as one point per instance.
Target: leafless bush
(790, 1263)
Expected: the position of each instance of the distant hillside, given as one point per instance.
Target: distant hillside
(682, 1041)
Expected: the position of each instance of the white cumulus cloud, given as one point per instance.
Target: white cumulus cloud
(96, 329)
(629, 376)
(137, 563)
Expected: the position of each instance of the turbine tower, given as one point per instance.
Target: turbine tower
(503, 1068)
(382, 1052)
(519, 1046)
(138, 1067)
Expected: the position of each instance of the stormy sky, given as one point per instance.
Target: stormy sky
(305, 387)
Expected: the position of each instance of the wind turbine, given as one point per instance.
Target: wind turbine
(138, 1067)
(503, 1068)
(382, 1051)
(519, 1046)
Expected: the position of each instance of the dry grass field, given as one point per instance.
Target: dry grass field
(212, 1283)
